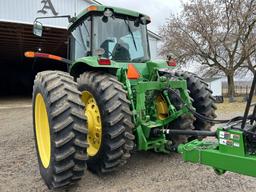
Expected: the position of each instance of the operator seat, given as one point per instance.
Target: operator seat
(121, 52)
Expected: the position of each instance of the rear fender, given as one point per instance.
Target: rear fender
(91, 64)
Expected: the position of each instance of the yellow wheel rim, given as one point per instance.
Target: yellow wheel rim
(161, 108)
(43, 138)
(92, 113)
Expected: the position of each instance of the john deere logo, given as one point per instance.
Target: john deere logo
(47, 5)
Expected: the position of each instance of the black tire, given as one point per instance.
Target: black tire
(202, 101)
(116, 117)
(67, 128)
(184, 122)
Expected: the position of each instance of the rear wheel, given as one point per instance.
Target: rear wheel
(183, 122)
(202, 101)
(59, 127)
(109, 118)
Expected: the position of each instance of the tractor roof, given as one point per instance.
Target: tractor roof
(102, 8)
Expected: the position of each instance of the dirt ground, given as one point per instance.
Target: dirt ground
(146, 171)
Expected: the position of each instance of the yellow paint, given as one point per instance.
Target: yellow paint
(43, 138)
(161, 108)
(92, 113)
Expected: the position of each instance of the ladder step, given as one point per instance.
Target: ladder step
(253, 104)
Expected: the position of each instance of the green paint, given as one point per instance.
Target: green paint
(141, 92)
(231, 141)
(144, 116)
(225, 154)
(102, 8)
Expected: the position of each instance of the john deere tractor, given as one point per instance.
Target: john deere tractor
(113, 100)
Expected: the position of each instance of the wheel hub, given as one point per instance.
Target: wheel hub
(92, 113)
(161, 108)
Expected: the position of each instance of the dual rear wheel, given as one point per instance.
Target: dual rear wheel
(109, 119)
(202, 101)
(78, 124)
(60, 128)
(90, 122)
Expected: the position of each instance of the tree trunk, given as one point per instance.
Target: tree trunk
(250, 66)
(231, 87)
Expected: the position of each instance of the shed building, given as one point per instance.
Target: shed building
(16, 20)
(215, 84)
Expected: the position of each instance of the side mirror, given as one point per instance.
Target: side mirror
(38, 29)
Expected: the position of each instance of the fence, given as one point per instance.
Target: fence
(240, 90)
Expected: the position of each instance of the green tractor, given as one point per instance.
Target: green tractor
(113, 100)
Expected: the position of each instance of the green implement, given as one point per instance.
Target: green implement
(226, 154)
(235, 147)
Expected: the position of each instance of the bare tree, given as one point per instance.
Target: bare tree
(218, 34)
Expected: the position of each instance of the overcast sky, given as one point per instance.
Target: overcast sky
(158, 10)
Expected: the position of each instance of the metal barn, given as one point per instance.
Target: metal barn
(16, 19)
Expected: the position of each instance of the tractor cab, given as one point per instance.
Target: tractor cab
(113, 33)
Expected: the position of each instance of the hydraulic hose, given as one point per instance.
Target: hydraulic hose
(203, 117)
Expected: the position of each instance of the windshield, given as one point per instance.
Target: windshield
(122, 39)
(81, 40)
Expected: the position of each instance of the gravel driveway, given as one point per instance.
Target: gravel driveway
(146, 171)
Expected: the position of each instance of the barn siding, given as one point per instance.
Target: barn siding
(25, 11)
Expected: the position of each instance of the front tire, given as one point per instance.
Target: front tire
(110, 124)
(60, 129)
